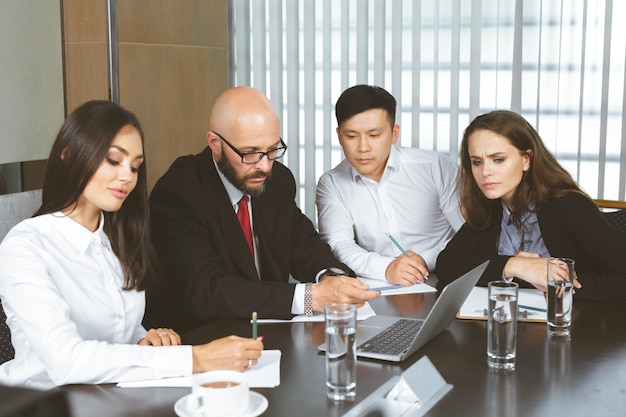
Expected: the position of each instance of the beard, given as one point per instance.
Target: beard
(240, 182)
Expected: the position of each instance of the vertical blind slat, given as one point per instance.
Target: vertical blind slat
(516, 78)
(475, 58)
(606, 70)
(310, 100)
(581, 88)
(362, 45)
(258, 31)
(454, 78)
(380, 25)
(327, 98)
(292, 107)
(416, 62)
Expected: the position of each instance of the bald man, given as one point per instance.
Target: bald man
(213, 267)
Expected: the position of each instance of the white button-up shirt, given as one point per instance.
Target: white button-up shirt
(70, 319)
(415, 201)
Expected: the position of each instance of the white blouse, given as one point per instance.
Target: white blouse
(70, 319)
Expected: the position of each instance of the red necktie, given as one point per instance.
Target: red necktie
(244, 220)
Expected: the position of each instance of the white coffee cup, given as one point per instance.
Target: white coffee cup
(219, 393)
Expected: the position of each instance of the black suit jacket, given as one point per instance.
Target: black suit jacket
(208, 270)
(571, 227)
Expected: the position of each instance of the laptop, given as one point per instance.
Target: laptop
(396, 338)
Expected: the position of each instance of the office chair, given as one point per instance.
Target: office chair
(6, 348)
(14, 208)
(615, 218)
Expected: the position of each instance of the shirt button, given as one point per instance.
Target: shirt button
(120, 316)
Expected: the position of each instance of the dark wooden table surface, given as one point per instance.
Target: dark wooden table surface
(583, 376)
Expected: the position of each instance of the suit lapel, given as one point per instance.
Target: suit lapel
(236, 244)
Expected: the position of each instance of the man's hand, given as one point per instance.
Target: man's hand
(407, 270)
(341, 289)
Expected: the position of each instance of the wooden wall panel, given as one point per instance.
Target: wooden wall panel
(172, 91)
(173, 63)
(179, 22)
(86, 56)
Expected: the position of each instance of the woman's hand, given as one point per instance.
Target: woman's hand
(160, 337)
(532, 269)
(232, 352)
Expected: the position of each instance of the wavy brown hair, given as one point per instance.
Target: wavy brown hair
(544, 181)
(80, 147)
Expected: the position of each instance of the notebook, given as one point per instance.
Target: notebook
(396, 338)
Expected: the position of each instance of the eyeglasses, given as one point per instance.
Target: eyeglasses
(254, 157)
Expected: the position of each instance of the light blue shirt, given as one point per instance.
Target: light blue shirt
(525, 238)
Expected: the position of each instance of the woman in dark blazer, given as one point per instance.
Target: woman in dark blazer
(521, 208)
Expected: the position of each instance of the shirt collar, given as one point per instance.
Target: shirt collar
(77, 235)
(526, 216)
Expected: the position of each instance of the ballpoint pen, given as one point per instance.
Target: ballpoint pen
(387, 287)
(395, 242)
(254, 329)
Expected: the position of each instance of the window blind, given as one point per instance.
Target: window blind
(560, 63)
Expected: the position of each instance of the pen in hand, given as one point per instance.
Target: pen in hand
(254, 328)
(395, 242)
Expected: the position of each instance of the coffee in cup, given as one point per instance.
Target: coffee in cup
(219, 393)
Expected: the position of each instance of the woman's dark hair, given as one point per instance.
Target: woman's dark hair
(80, 147)
(544, 181)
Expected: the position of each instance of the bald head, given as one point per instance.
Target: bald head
(244, 111)
(244, 121)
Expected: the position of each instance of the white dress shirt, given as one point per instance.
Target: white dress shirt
(70, 319)
(415, 201)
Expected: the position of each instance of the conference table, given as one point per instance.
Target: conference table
(581, 376)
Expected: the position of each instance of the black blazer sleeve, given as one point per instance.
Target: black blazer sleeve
(208, 268)
(573, 227)
(469, 248)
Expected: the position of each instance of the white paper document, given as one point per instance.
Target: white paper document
(265, 374)
(361, 314)
(386, 288)
(531, 305)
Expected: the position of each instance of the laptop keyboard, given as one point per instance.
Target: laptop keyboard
(394, 340)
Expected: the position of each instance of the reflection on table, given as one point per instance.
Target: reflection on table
(585, 375)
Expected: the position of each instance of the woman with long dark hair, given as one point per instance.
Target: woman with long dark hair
(521, 208)
(72, 276)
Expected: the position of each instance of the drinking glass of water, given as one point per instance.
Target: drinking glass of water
(502, 325)
(340, 351)
(559, 298)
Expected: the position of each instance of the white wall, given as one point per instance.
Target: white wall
(31, 78)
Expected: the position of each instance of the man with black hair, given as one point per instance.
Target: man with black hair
(386, 211)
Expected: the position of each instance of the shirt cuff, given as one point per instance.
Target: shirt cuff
(379, 267)
(297, 305)
(173, 361)
(430, 257)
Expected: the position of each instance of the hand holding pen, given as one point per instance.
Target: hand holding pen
(407, 269)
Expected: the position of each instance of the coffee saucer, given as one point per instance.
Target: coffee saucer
(256, 406)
